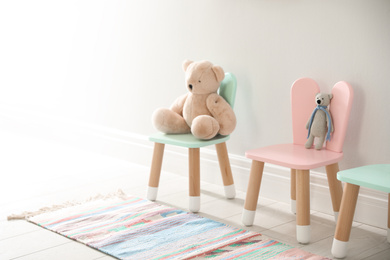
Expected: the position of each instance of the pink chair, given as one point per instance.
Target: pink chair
(299, 159)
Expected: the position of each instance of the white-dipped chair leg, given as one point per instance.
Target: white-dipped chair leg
(248, 217)
(230, 191)
(294, 206)
(336, 216)
(303, 234)
(152, 193)
(339, 248)
(194, 204)
(388, 235)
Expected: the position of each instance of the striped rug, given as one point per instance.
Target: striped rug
(135, 228)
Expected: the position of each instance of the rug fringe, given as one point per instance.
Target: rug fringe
(27, 214)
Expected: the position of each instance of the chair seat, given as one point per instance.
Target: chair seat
(186, 140)
(294, 156)
(375, 177)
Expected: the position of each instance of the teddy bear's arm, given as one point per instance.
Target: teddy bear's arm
(308, 123)
(331, 122)
(222, 112)
(178, 104)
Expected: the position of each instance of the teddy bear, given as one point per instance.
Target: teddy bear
(201, 111)
(320, 123)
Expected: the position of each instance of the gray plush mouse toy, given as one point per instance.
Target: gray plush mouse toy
(320, 123)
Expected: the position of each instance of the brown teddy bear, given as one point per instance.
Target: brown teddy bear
(202, 111)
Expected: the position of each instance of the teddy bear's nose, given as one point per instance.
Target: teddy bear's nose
(190, 86)
(318, 101)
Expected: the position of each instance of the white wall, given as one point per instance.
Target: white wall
(112, 63)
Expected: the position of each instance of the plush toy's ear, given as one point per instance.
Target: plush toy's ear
(186, 63)
(219, 73)
(330, 96)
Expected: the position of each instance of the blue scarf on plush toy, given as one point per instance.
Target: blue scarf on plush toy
(323, 108)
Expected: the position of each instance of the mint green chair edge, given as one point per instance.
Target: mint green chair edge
(377, 177)
(186, 140)
(227, 90)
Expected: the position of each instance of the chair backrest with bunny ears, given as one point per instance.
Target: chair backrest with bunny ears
(303, 92)
(340, 109)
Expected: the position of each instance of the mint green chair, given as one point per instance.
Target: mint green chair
(227, 90)
(375, 177)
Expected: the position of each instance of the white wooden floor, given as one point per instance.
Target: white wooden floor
(36, 172)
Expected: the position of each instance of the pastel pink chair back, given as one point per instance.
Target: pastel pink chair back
(303, 92)
(340, 108)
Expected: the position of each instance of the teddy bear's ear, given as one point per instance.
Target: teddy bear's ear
(219, 73)
(186, 63)
(330, 96)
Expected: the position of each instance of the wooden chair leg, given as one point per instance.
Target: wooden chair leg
(335, 187)
(344, 223)
(293, 191)
(303, 206)
(194, 179)
(155, 171)
(226, 171)
(388, 219)
(252, 194)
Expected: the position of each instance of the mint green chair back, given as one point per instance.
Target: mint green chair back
(228, 88)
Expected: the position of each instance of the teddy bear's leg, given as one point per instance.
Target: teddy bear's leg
(222, 112)
(309, 142)
(320, 142)
(169, 122)
(204, 127)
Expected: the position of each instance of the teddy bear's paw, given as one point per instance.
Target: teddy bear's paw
(309, 143)
(222, 112)
(213, 101)
(205, 127)
(320, 143)
(169, 122)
